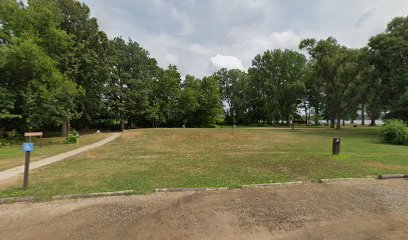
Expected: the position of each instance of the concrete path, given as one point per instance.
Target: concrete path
(13, 172)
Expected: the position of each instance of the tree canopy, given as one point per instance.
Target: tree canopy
(59, 69)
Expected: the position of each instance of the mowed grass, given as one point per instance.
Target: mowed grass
(12, 155)
(143, 160)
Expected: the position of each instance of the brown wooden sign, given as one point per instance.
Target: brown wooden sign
(33, 134)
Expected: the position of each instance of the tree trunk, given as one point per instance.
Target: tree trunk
(352, 121)
(373, 122)
(343, 123)
(289, 119)
(332, 120)
(306, 115)
(65, 128)
(132, 122)
(338, 125)
(122, 123)
(362, 114)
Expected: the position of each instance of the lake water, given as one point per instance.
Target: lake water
(358, 122)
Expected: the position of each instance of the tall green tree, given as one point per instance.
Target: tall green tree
(132, 81)
(31, 55)
(210, 104)
(165, 96)
(230, 89)
(314, 91)
(277, 82)
(389, 58)
(336, 65)
(89, 63)
(188, 104)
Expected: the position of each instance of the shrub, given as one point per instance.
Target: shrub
(395, 132)
(73, 137)
(4, 142)
(11, 134)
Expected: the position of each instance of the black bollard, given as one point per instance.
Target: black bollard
(336, 146)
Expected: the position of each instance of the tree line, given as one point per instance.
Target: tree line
(58, 69)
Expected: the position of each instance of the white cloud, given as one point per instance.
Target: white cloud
(281, 40)
(171, 59)
(199, 49)
(284, 40)
(249, 48)
(229, 62)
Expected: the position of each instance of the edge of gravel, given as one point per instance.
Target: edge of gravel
(188, 189)
(329, 180)
(391, 176)
(91, 195)
(168, 190)
(16, 199)
(272, 184)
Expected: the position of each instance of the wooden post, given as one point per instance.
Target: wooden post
(26, 170)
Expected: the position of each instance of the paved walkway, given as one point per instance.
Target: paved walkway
(13, 172)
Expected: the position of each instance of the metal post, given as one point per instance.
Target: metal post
(26, 170)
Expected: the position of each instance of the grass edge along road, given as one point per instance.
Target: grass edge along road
(145, 159)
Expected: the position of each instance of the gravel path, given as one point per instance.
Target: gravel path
(16, 171)
(363, 209)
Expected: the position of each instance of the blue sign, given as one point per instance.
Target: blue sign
(28, 147)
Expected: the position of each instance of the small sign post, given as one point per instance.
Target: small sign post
(34, 134)
(27, 148)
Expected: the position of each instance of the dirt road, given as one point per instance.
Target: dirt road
(364, 209)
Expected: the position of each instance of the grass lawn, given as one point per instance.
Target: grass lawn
(146, 159)
(12, 155)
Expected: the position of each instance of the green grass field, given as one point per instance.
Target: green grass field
(12, 155)
(143, 160)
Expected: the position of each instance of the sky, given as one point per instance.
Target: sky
(201, 36)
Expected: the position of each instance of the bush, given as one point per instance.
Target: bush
(73, 137)
(11, 134)
(395, 132)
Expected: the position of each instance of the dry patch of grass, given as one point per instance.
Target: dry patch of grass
(382, 166)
